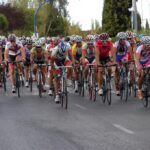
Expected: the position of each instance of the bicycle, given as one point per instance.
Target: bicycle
(146, 86)
(123, 81)
(92, 86)
(40, 64)
(17, 76)
(30, 78)
(132, 79)
(3, 75)
(81, 81)
(106, 84)
(63, 93)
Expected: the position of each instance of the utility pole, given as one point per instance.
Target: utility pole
(134, 15)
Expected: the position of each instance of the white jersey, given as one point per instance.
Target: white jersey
(13, 50)
(60, 55)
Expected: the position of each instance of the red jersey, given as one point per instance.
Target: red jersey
(104, 48)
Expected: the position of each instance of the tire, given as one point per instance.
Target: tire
(104, 91)
(40, 84)
(18, 84)
(93, 89)
(145, 93)
(89, 88)
(65, 95)
(4, 80)
(31, 81)
(108, 86)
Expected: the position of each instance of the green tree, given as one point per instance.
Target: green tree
(116, 16)
(3, 24)
(139, 22)
(147, 25)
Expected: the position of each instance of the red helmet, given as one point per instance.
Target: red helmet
(104, 36)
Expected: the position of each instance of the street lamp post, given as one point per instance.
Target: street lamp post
(134, 15)
(35, 14)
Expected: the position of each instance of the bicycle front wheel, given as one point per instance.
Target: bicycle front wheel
(108, 87)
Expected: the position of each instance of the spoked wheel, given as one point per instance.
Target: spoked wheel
(108, 87)
(89, 88)
(40, 84)
(30, 81)
(64, 94)
(93, 89)
(124, 90)
(146, 95)
(18, 85)
(104, 96)
(4, 80)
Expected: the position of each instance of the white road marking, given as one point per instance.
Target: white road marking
(81, 107)
(123, 129)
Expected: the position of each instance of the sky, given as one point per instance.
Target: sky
(84, 11)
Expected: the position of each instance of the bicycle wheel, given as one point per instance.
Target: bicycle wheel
(18, 84)
(93, 88)
(30, 81)
(104, 91)
(4, 79)
(65, 93)
(108, 87)
(40, 84)
(145, 100)
(89, 87)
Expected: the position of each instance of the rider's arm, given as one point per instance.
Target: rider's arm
(6, 54)
(32, 55)
(22, 50)
(97, 54)
(114, 54)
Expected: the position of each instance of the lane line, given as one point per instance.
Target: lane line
(123, 129)
(81, 107)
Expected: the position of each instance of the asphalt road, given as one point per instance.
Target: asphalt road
(33, 123)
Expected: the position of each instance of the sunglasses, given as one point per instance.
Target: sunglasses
(12, 41)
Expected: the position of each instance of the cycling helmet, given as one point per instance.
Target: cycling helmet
(62, 46)
(42, 40)
(129, 35)
(104, 36)
(38, 44)
(145, 40)
(29, 42)
(12, 37)
(90, 38)
(78, 39)
(121, 35)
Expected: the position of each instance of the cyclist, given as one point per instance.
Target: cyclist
(131, 40)
(142, 59)
(121, 50)
(39, 55)
(104, 49)
(28, 48)
(13, 49)
(88, 54)
(59, 57)
(76, 59)
(54, 42)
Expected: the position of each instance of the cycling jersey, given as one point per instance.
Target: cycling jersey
(122, 50)
(13, 50)
(60, 56)
(77, 52)
(90, 53)
(144, 55)
(104, 48)
(38, 56)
